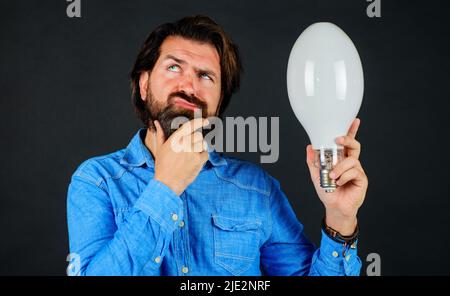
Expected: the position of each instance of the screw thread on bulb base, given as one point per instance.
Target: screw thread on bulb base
(326, 182)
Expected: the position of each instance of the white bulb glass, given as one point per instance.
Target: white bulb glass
(325, 86)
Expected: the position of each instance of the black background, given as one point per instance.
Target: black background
(65, 97)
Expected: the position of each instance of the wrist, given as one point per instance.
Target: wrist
(345, 240)
(345, 225)
(169, 184)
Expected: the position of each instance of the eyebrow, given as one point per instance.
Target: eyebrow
(198, 70)
(171, 57)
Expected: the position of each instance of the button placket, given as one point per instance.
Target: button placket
(181, 235)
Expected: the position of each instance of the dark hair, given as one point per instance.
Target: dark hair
(198, 28)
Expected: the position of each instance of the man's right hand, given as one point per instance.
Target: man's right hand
(180, 158)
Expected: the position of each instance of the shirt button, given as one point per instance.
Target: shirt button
(184, 269)
(335, 254)
(181, 223)
(174, 217)
(158, 259)
(347, 257)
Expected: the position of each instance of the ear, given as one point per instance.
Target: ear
(143, 85)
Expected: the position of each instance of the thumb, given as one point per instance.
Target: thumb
(160, 137)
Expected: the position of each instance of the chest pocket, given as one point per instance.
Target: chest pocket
(236, 243)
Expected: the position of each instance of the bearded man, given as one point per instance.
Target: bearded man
(150, 210)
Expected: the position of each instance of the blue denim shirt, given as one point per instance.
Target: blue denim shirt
(232, 220)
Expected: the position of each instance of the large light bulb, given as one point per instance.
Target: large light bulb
(325, 86)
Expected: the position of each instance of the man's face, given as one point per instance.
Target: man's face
(185, 77)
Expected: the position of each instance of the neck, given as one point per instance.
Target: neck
(150, 141)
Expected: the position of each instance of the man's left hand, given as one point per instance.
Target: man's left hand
(342, 205)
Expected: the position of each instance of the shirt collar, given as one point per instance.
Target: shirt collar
(137, 154)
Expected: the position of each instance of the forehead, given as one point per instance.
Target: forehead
(192, 52)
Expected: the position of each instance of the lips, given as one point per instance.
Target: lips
(185, 104)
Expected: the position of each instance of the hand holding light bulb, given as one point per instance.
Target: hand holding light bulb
(342, 204)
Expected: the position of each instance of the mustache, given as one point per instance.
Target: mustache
(191, 99)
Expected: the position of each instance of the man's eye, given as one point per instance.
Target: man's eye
(174, 68)
(205, 76)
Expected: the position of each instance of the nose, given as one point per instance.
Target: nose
(187, 85)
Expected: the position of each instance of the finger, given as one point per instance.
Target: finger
(343, 166)
(309, 155)
(313, 170)
(198, 147)
(189, 144)
(312, 157)
(352, 145)
(192, 139)
(192, 125)
(160, 137)
(354, 128)
(181, 139)
(356, 176)
(195, 137)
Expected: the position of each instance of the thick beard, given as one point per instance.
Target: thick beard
(166, 114)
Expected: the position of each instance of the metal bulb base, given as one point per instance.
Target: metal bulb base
(325, 160)
(326, 182)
